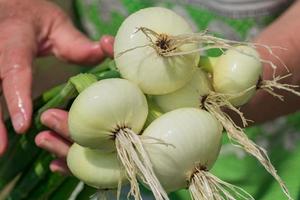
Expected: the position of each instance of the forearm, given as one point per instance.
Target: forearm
(284, 32)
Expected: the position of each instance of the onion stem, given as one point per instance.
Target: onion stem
(22, 150)
(207, 63)
(82, 81)
(34, 175)
(47, 187)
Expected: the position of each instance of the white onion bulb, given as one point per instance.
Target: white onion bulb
(194, 136)
(102, 109)
(95, 168)
(188, 96)
(237, 70)
(154, 73)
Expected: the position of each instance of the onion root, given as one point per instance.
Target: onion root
(136, 162)
(240, 139)
(206, 186)
(270, 85)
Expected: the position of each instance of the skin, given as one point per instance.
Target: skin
(284, 32)
(29, 29)
(56, 140)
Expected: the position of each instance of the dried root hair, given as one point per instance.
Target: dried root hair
(169, 45)
(214, 104)
(206, 186)
(137, 163)
(270, 86)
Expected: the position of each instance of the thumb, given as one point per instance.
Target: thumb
(70, 44)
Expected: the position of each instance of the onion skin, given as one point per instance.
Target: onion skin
(235, 72)
(153, 73)
(195, 139)
(95, 168)
(104, 107)
(188, 96)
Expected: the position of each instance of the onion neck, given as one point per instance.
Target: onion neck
(207, 63)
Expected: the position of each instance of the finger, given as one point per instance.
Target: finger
(3, 135)
(52, 142)
(60, 166)
(16, 77)
(107, 44)
(70, 44)
(56, 120)
(15, 72)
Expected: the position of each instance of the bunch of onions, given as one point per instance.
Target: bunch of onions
(194, 138)
(158, 53)
(232, 81)
(108, 116)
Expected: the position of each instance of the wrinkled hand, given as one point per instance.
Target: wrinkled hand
(56, 140)
(31, 28)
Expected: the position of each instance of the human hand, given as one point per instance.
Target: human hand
(57, 140)
(32, 28)
(287, 37)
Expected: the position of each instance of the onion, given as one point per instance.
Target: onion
(107, 116)
(95, 168)
(148, 66)
(197, 94)
(195, 138)
(103, 108)
(237, 70)
(188, 96)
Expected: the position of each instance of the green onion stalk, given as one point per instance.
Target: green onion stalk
(32, 177)
(22, 150)
(48, 186)
(66, 190)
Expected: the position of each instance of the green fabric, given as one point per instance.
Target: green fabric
(281, 137)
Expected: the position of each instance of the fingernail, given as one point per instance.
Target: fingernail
(42, 142)
(45, 144)
(108, 39)
(44, 119)
(18, 122)
(50, 120)
(111, 40)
